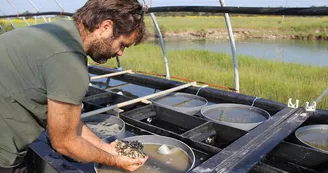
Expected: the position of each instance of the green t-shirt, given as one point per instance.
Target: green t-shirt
(36, 63)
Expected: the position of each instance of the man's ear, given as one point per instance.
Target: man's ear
(106, 27)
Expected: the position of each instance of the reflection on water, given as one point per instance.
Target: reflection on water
(178, 162)
(180, 101)
(235, 115)
(317, 138)
(313, 52)
(127, 89)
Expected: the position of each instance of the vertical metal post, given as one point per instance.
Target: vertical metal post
(11, 23)
(118, 63)
(37, 10)
(61, 7)
(2, 30)
(283, 16)
(233, 47)
(9, 1)
(321, 96)
(161, 40)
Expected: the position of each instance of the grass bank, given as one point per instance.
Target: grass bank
(246, 27)
(276, 81)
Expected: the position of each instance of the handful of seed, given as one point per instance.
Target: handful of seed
(132, 149)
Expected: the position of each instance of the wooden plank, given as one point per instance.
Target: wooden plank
(141, 99)
(110, 75)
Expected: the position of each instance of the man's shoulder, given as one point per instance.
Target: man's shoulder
(66, 77)
(61, 35)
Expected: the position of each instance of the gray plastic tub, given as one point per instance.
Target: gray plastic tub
(105, 126)
(181, 102)
(155, 139)
(239, 116)
(314, 136)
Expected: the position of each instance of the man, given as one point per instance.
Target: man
(44, 77)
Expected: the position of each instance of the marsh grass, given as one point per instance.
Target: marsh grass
(256, 22)
(298, 27)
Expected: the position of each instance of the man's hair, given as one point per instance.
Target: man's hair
(127, 16)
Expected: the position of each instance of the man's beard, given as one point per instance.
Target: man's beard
(101, 50)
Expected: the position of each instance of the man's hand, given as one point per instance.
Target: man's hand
(130, 164)
(110, 148)
(124, 162)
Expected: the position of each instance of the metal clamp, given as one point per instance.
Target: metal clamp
(291, 105)
(149, 120)
(116, 111)
(208, 140)
(312, 107)
(303, 114)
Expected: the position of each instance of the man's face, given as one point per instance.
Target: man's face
(105, 46)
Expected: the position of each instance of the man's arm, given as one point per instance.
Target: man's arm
(88, 135)
(63, 123)
(85, 132)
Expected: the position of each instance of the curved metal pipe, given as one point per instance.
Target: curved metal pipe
(61, 7)
(233, 47)
(11, 23)
(2, 30)
(38, 14)
(161, 40)
(9, 1)
(37, 10)
(309, 11)
(321, 96)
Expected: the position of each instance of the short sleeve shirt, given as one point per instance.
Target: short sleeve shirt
(36, 63)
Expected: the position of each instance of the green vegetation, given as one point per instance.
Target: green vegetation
(256, 22)
(266, 79)
(6, 26)
(20, 23)
(295, 27)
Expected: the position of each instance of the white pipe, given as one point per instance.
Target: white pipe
(37, 10)
(18, 11)
(105, 109)
(2, 30)
(61, 7)
(321, 96)
(11, 23)
(233, 47)
(111, 74)
(161, 40)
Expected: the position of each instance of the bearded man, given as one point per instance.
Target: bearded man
(44, 79)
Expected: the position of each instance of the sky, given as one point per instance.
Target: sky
(73, 5)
